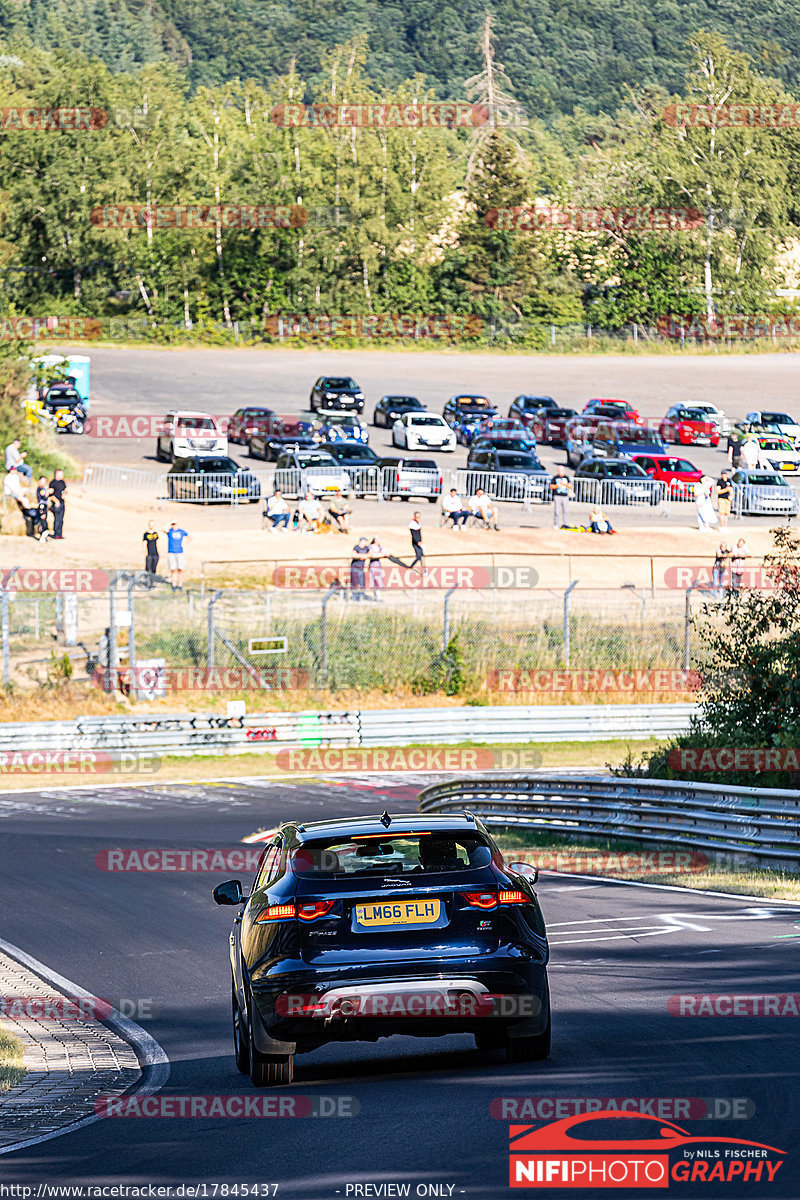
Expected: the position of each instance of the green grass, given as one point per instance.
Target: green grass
(12, 1070)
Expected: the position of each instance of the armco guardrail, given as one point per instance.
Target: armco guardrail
(761, 823)
(184, 734)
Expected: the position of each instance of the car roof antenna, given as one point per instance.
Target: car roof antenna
(386, 820)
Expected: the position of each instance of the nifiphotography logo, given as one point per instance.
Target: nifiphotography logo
(583, 1152)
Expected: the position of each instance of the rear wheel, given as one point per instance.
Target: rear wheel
(241, 1044)
(529, 1049)
(490, 1039)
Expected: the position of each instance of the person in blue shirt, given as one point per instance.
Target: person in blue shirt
(175, 539)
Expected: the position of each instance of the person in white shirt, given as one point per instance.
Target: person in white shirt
(12, 487)
(750, 453)
(277, 511)
(310, 513)
(16, 458)
(453, 507)
(482, 507)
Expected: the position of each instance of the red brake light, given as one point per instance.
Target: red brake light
(514, 898)
(276, 912)
(317, 908)
(481, 899)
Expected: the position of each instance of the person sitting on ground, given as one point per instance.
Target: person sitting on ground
(481, 506)
(339, 512)
(13, 490)
(15, 457)
(309, 511)
(599, 522)
(454, 510)
(277, 511)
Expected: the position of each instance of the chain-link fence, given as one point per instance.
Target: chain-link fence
(145, 639)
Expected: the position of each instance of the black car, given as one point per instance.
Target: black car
(525, 407)
(528, 476)
(336, 391)
(464, 412)
(363, 928)
(390, 408)
(207, 478)
(552, 426)
(275, 434)
(486, 442)
(361, 463)
(615, 481)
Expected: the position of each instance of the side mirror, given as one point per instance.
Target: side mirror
(229, 892)
(521, 868)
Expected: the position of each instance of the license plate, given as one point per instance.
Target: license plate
(398, 912)
(787, 466)
(702, 440)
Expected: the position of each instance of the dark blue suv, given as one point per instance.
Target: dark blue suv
(360, 929)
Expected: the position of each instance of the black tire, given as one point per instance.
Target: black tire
(490, 1039)
(171, 489)
(241, 1042)
(269, 1072)
(431, 499)
(529, 1049)
(406, 498)
(159, 455)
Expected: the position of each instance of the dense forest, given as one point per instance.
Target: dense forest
(390, 218)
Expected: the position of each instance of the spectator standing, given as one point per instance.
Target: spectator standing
(43, 506)
(358, 568)
(375, 571)
(58, 496)
(706, 517)
(15, 457)
(719, 572)
(416, 542)
(739, 556)
(150, 539)
(560, 490)
(277, 511)
(724, 497)
(175, 539)
(453, 508)
(750, 453)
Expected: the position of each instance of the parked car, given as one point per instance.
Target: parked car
(741, 431)
(777, 452)
(463, 413)
(526, 407)
(552, 426)
(361, 463)
(411, 479)
(780, 421)
(763, 494)
(338, 427)
(689, 427)
(318, 472)
(527, 475)
(390, 408)
(621, 438)
(615, 481)
(423, 431)
(612, 410)
(503, 443)
(185, 433)
(208, 477)
(352, 924)
(505, 429)
(578, 442)
(336, 391)
(713, 413)
(677, 474)
(277, 434)
(247, 421)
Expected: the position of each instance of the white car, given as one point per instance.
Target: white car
(778, 454)
(714, 414)
(185, 433)
(423, 431)
(776, 420)
(315, 471)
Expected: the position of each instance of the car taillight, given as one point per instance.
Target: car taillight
(514, 898)
(276, 912)
(481, 899)
(318, 908)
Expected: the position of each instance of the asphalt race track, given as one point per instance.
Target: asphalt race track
(618, 953)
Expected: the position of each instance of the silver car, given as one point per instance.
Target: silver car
(763, 494)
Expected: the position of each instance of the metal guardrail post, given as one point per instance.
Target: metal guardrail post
(4, 618)
(323, 634)
(211, 633)
(566, 620)
(132, 640)
(446, 622)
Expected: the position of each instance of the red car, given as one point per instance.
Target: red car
(677, 474)
(689, 427)
(613, 410)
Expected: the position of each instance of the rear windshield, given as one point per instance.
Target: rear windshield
(418, 464)
(399, 854)
(626, 471)
(765, 480)
(507, 459)
(777, 418)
